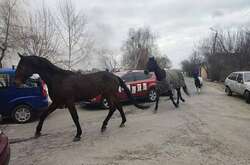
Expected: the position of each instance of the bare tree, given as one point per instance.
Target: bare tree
(137, 48)
(194, 61)
(72, 25)
(39, 36)
(225, 51)
(8, 18)
(164, 61)
(108, 59)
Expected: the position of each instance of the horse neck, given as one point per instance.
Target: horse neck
(158, 73)
(47, 78)
(49, 73)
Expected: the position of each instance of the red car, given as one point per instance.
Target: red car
(141, 86)
(4, 149)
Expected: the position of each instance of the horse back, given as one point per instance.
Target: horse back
(176, 78)
(87, 86)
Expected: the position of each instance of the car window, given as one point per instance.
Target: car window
(128, 77)
(240, 77)
(141, 76)
(31, 83)
(247, 77)
(233, 76)
(4, 80)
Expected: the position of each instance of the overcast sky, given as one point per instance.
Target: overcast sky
(178, 23)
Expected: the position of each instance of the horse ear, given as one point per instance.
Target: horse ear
(20, 55)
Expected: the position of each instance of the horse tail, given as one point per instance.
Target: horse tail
(132, 99)
(185, 89)
(184, 86)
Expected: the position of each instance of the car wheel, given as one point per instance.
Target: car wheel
(152, 95)
(105, 103)
(22, 114)
(247, 96)
(228, 91)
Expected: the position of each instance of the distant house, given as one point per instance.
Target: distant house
(203, 71)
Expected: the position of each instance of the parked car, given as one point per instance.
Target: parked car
(142, 86)
(4, 149)
(21, 103)
(238, 82)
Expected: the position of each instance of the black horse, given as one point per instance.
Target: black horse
(67, 87)
(167, 82)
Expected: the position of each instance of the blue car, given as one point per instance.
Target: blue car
(21, 103)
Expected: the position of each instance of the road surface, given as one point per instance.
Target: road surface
(210, 129)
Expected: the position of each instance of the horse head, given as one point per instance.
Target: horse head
(151, 64)
(24, 69)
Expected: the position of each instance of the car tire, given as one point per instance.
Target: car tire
(247, 96)
(228, 91)
(105, 103)
(22, 114)
(152, 95)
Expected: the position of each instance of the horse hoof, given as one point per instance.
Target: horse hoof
(155, 111)
(122, 125)
(103, 129)
(37, 134)
(183, 100)
(76, 139)
(176, 106)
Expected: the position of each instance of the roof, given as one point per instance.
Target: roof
(242, 72)
(121, 73)
(7, 70)
(12, 71)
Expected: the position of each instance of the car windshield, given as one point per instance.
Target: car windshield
(247, 77)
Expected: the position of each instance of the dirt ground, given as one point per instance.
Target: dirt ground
(210, 128)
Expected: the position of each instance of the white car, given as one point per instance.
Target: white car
(238, 82)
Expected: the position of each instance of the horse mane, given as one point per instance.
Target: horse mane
(46, 65)
(159, 72)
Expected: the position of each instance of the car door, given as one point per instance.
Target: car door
(239, 85)
(141, 83)
(129, 79)
(4, 92)
(231, 81)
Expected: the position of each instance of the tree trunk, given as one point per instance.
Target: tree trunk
(2, 56)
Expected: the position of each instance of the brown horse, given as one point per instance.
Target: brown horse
(67, 87)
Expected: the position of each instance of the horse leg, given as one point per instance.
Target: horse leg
(74, 115)
(157, 100)
(111, 111)
(120, 109)
(178, 95)
(172, 99)
(181, 96)
(43, 116)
